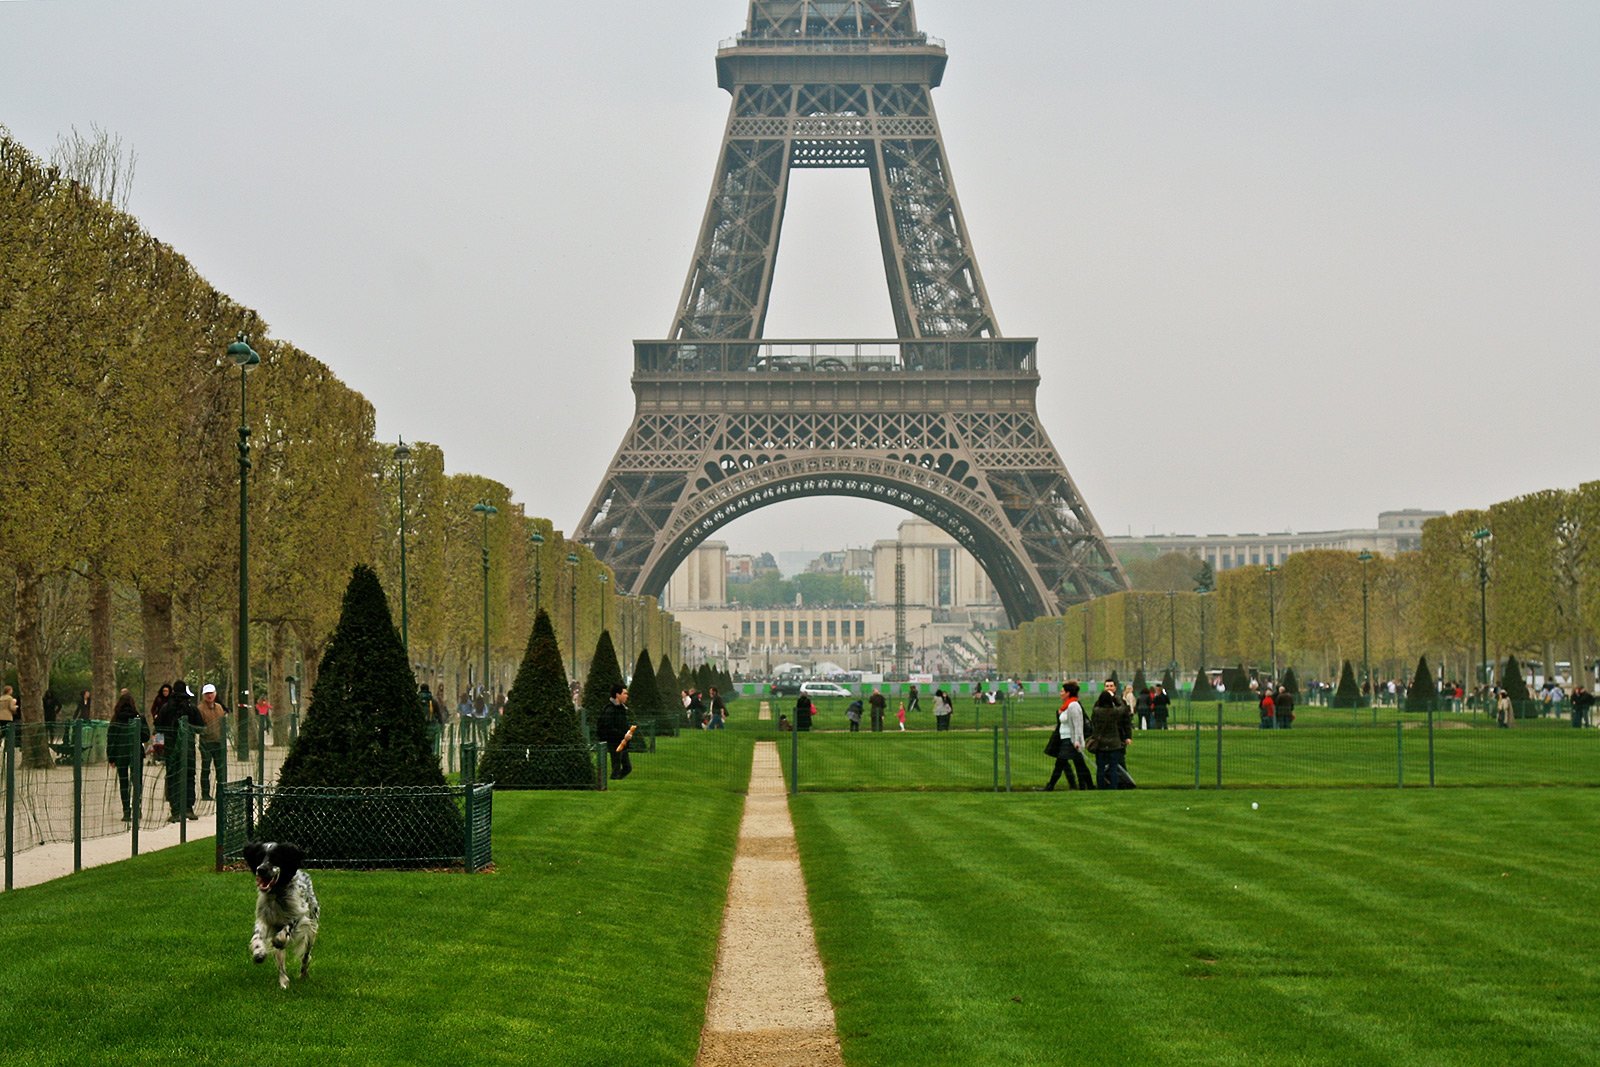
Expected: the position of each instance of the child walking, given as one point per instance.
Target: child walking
(901, 715)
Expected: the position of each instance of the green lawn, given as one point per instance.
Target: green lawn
(1329, 927)
(592, 943)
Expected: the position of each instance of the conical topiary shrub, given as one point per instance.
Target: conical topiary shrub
(1290, 682)
(363, 728)
(603, 674)
(1348, 693)
(1516, 687)
(538, 743)
(1202, 689)
(1168, 682)
(644, 699)
(670, 710)
(1422, 695)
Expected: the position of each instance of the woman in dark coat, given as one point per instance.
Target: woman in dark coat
(125, 740)
(180, 753)
(802, 713)
(1110, 730)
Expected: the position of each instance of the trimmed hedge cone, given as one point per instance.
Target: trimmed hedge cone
(539, 743)
(364, 734)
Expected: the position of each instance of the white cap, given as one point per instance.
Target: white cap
(207, 688)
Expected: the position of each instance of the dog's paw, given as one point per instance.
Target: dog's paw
(283, 981)
(258, 951)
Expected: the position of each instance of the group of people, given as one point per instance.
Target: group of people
(1276, 707)
(874, 709)
(1106, 732)
(709, 712)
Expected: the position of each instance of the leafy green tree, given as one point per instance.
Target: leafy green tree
(363, 728)
(1348, 693)
(1422, 695)
(538, 743)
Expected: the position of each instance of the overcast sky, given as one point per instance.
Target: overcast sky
(1290, 264)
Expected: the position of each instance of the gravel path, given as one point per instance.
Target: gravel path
(769, 1001)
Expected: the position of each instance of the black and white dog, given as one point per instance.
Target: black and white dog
(286, 906)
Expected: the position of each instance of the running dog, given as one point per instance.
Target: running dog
(286, 906)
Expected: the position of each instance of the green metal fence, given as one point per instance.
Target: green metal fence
(362, 826)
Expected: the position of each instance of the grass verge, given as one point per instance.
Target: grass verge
(1156, 928)
(592, 943)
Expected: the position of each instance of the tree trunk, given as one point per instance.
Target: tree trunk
(277, 690)
(160, 650)
(103, 665)
(33, 673)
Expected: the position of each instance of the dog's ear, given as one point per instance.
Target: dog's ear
(289, 857)
(254, 853)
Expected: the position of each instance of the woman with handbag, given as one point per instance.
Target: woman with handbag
(1066, 743)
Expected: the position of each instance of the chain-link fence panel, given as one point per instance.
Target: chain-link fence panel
(363, 826)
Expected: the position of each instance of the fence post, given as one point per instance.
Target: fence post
(1399, 754)
(75, 731)
(11, 799)
(467, 859)
(996, 730)
(137, 785)
(469, 762)
(180, 788)
(1219, 744)
(1430, 748)
(261, 754)
(1005, 729)
(1194, 724)
(602, 766)
(794, 760)
(222, 793)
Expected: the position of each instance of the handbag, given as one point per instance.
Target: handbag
(1092, 744)
(1052, 747)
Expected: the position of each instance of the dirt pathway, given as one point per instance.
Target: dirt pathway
(769, 1002)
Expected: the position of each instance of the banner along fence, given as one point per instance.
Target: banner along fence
(1225, 749)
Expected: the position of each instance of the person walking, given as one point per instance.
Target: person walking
(1110, 733)
(1582, 703)
(853, 713)
(612, 730)
(177, 713)
(1145, 709)
(913, 701)
(1069, 731)
(1505, 713)
(943, 708)
(1161, 706)
(125, 740)
(719, 709)
(877, 703)
(213, 714)
(901, 715)
(8, 706)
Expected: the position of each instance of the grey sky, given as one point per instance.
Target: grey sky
(1289, 264)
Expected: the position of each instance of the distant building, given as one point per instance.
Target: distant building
(1397, 532)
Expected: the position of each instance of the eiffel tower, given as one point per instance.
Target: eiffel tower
(940, 421)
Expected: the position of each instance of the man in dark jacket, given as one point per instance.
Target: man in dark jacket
(612, 729)
(877, 703)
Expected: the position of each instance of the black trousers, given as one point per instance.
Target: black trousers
(180, 779)
(1076, 768)
(621, 764)
(126, 769)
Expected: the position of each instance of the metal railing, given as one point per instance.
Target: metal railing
(947, 355)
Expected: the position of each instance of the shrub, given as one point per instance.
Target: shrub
(1423, 695)
(538, 743)
(644, 698)
(1290, 682)
(603, 674)
(1511, 680)
(363, 728)
(1203, 688)
(1348, 693)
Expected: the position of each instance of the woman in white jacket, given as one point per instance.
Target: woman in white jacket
(1069, 757)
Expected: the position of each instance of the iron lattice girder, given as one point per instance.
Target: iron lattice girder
(706, 448)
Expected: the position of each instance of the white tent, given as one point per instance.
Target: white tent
(788, 668)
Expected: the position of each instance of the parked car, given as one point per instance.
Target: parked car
(786, 686)
(815, 690)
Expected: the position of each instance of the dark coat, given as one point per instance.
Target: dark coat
(612, 724)
(1111, 725)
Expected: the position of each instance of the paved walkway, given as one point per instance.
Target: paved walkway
(43, 863)
(769, 1001)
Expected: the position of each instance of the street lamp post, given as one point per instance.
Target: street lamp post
(485, 509)
(401, 454)
(1272, 619)
(537, 539)
(925, 650)
(603, 580)
(244, 357)
(572, 632)
(726, 668)
(1201, 594)
(1366, 662)
(1481, 537)
(1172, 627)
(1086, 644)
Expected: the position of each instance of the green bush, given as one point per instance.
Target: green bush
(538, 743)
(1348, 693)
(1511, 680)
(363, 728)
(603, 674)
(1422, 695)
(1290, 682)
